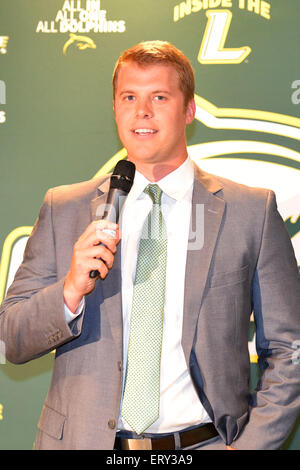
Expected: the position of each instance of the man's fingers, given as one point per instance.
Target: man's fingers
(100, 266)
(98, 232)
(83, 265)
(101, 252)
(97, 226)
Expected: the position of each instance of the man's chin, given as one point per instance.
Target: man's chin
(143, 158)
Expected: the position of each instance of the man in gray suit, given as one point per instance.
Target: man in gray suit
(227, 254)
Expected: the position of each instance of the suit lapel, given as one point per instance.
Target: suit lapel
(98, 203)
(111, 286)
(199, 260)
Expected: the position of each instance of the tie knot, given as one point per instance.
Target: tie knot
(154, 191)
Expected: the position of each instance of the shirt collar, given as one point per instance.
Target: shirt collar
(175, 184)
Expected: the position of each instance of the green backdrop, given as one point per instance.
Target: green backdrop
(57, 127)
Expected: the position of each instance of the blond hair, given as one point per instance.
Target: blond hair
(160, 53)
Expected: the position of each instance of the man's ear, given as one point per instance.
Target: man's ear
(190, 111)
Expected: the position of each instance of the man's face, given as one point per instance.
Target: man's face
(151, 115)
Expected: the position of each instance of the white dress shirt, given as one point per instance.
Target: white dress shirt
(180, 406)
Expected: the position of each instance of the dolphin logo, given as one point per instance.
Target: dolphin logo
(83, 43)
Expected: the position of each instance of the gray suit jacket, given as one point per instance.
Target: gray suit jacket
(246, 263)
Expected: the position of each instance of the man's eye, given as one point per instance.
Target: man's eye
(159, 98)
(129, 98)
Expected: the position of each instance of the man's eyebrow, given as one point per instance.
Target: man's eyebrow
(155, 92)
(164, 92)
(125, 92)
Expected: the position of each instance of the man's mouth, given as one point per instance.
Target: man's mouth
(143, 131)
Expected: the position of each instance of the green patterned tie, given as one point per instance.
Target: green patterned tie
(140, 406)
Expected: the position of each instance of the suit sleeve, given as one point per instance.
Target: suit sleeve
(276, 305)
(32, 318)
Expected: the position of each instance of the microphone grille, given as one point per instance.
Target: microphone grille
(123, 175)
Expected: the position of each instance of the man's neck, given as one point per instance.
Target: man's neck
(156, 172)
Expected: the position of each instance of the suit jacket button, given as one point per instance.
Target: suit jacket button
(111, 424)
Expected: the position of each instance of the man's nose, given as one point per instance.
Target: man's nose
(144, 109)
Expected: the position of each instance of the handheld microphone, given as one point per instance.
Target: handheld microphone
(120, 184)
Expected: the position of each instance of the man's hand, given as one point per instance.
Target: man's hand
(94, 250)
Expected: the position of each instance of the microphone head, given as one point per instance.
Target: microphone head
(123, 176)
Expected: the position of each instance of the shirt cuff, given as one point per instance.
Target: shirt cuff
(71, 316)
